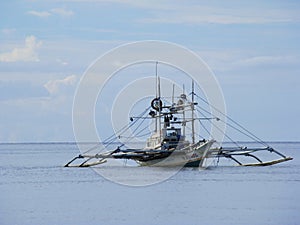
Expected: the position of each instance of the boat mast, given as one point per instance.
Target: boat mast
(156, 87)
(193, 108)
(159, 111)
(183, 114)
(158, 120)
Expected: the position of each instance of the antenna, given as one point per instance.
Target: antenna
(193, 108)
(159, 87)
(156, 78)
(173, 94)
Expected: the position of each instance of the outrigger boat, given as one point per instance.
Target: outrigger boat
(168, 146)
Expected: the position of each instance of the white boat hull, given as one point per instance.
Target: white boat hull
(191, 156)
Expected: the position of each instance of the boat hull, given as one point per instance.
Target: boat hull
(191, 156)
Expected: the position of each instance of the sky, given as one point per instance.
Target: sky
(252, 47)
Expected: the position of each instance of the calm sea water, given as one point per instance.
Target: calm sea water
(36, 189)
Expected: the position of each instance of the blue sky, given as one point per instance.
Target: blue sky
(252, 47)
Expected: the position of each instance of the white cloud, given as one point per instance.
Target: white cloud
(214, 15)
(267, 60)
(51, 12)
(39, 13)
(8, 31)
(232, 59)
(27, 53)
(199, 12)
(62, 12)
(213, 19)
(62, 62)
(56, 86)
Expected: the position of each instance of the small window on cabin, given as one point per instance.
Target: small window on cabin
(171, 133)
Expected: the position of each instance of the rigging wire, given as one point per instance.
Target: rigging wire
(130, 125)
(115, 135)
(138, 126)
(250, 134)
(137, 136)
(242, 130)
(226, 135)
(197, 134)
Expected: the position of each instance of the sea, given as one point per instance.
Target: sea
(36, 189)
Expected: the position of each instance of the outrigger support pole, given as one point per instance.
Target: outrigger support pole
(83, 164)
(229, 154)
(77, 157)
(253, 156)
(278, 153)
(230, 157)
(102, 158)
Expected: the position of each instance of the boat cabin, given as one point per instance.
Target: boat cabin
(169, 136)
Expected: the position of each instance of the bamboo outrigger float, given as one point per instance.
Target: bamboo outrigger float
(169, 146)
